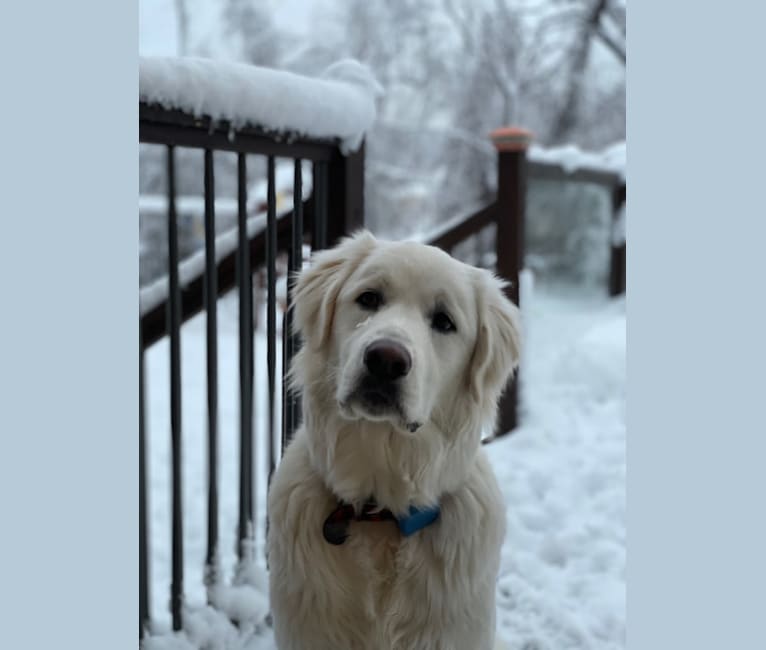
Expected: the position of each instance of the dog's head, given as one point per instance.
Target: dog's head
(403, 334)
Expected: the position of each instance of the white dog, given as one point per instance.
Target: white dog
(386, 521)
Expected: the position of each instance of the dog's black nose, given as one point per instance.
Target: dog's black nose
(387, 360)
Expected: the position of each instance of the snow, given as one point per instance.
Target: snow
(157, 205)
(340, 103)
(562, 577)
(571, 158)
(242, 603)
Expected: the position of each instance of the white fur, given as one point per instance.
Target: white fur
(434, 590)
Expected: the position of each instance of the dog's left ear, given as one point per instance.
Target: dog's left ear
(498, 343)
(317, 287)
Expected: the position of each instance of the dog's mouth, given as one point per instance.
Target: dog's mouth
(378, 401)
(382, 399)
(377, 398)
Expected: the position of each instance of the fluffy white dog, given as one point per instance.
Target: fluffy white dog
(386, 520)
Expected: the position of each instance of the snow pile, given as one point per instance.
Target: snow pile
(339, 104)
(562, 577)
(571, 158)
(241, 603)
(211, 628)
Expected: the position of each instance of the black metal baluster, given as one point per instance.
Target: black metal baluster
(174, 327)
(319, 191)
(246, 366)
(295, 263)
(286, 345)
(617, 250)
(271, 314)
(143, 509)
(211, 303)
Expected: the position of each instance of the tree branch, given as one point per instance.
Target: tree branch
(611, 43)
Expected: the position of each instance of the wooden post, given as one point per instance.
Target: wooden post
(511, 144)
(617, 264)
(345, 195)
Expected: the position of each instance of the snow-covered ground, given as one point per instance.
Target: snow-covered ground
(562, 582)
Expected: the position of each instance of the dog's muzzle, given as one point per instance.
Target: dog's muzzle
(386, 363)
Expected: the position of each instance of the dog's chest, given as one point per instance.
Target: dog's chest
(377, 562)
(372, 552)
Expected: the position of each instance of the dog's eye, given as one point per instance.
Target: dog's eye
(441, 322)
(370, 300)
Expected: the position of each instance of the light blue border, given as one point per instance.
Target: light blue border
(696, 326)
(69, 269)
(69, 264)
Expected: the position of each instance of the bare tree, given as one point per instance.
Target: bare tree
(455, 69)
(611, 30)
(182, 22)
(586, 22)
(252, 26)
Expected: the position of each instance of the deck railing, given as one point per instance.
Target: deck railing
(334, 208)
(615, 185)
(507, 213)
(338, 189)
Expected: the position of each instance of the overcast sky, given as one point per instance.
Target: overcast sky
(157, 21)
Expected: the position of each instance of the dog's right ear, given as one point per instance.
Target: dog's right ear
(318, 286)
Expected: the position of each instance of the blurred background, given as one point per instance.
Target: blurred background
(452, 71)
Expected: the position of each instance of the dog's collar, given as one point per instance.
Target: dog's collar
(335, 529)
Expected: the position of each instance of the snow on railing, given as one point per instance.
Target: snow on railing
(339, 104)
(571, 158)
